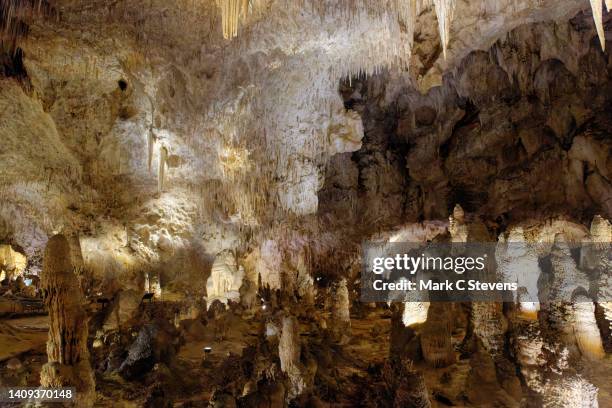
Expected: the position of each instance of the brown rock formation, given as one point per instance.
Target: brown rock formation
(68, 358)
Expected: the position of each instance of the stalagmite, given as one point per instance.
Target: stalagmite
(566, 279)
(436, 342)
(406, 384)
(518, 262)
(225, 279)
(68, 358)
(570, 392)
(78, 263)
(586, 330)
(289, 353)
(304, 282)
(341, 308)
(599, 257)
(489, 325)
(457, 226)
(528, 346)
(415, 313)
(597, 7)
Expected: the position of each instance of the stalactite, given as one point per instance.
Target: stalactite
(151, 146)
(232, 13)
(15, 15)
(597, 6)
(163, 161)
(445, 9)
(78, 262)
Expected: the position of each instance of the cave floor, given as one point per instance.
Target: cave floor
(356, 368)
(23, 334)
(352, 360)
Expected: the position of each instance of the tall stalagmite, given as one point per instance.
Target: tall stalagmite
(68, 358)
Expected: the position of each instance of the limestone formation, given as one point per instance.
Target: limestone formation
(436, 342)
(517, 261)
(220, 168)
(68, 357)
(340, 314)
(406, 385)
(528, 348)
(289, 348)
(415, 313)
(12, 262)
(163, 167)
(586, 331)
(225, 279)
(574, 392)
(457, 225)
(124, 307)
(489, 326)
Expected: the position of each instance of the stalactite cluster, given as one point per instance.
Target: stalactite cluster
(14, 18)
(232, 12)
(235, 12)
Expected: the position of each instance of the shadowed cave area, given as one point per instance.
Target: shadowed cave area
(191, 191)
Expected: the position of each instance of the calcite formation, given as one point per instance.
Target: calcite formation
(289, 348)
(225, 279)
(219, 168)
(67, 354)
(436, 340)
(12, 263)
(341, 316)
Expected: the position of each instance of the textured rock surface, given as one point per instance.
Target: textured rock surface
(225, 279)
(210, 152)
(124, 308)
(68, 357)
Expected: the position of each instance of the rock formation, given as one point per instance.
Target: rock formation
(289, 348)
(68, 358)
(340, 314)
(436, 342)
(225, 279)
(220, 170)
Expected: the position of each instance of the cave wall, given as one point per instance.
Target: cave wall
(517, 131)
